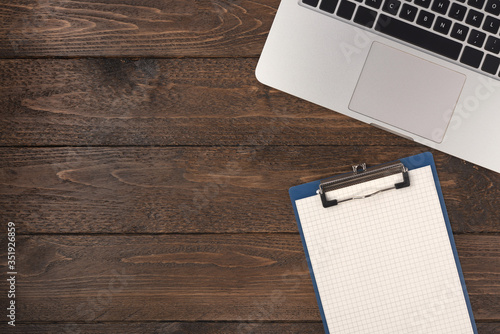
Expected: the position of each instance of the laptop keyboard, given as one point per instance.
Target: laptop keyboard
(463, 31)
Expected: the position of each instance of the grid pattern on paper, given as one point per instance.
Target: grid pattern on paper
(384, 264)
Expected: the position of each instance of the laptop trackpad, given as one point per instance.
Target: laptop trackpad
(407, 92)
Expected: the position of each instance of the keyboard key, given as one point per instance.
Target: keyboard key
(491, 24)
(442, 25)
(419, 37)
(474, 18)
(328, 6)
(457, 12)
(346, 9)
(476, 38)
(491, 64)
(373, 3)
(492, 45)
(471, 57)
(365, 17)
(440, 6)
(423, 3)
(476, 3)
(493, 7)
(313, 3)
(459, 31)
(408, 12)
(391, 6)
(425, 19)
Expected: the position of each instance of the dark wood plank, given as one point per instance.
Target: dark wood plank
(242, 277)
(476, 254)
(134, 28)
(203, 189)
(197, 327)
(488, 328)
(175, 328)
(162, 102)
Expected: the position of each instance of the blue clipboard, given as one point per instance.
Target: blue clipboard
(413, 162)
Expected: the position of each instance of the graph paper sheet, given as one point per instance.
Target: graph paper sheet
(385, 264)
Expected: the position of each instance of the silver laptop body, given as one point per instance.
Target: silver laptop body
(370, 75)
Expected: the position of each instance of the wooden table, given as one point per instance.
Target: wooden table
(147, 171)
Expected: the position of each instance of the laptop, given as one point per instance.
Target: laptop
(427, 70)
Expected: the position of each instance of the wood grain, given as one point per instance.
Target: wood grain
(197, 327)
(157, 28)
(177, 328)
(228, 277)
(175, 162)
(162, 102)
(203, 189)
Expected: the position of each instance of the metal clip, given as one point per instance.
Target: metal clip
(356, 168)
(359, 175)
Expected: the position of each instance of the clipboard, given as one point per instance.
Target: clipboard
(380, 251)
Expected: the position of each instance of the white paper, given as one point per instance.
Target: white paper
(384, 264)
